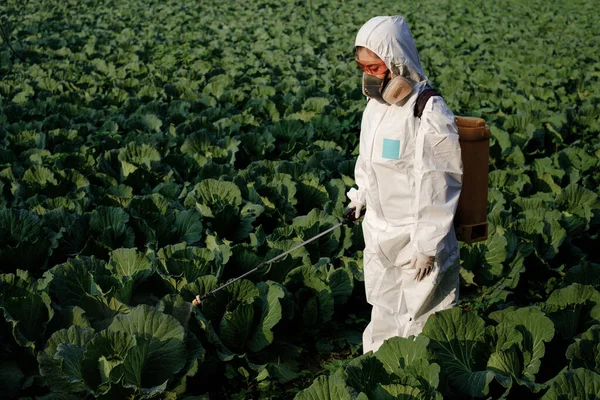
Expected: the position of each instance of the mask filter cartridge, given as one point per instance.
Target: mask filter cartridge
(386, 91)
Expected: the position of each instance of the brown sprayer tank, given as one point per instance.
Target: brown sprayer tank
(470, 221)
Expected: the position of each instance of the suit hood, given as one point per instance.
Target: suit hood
(391, 39)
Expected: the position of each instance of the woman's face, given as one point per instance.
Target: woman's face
(370, 63)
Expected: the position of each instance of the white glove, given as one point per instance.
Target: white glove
(357, 208)
(423, 265)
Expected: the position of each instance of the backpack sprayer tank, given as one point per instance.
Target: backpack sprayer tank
(470, 221)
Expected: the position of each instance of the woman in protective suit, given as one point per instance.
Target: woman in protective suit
(409, 174)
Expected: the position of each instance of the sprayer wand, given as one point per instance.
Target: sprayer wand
(348, 218)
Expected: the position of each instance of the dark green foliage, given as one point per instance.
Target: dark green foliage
(150, 151)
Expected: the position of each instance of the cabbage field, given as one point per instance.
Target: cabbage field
(152, 150)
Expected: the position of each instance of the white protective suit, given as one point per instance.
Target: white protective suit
(409, 175)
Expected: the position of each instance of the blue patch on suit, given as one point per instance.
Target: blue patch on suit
(391, 149)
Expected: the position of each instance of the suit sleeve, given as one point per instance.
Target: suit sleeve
(360, 176)
(438, 177)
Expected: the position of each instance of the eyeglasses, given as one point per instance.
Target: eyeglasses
(372, 68)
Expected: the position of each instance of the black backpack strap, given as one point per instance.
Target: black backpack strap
(422, 99)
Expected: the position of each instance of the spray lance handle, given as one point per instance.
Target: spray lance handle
(350, 215)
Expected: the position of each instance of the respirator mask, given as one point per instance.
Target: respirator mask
(386, 90)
